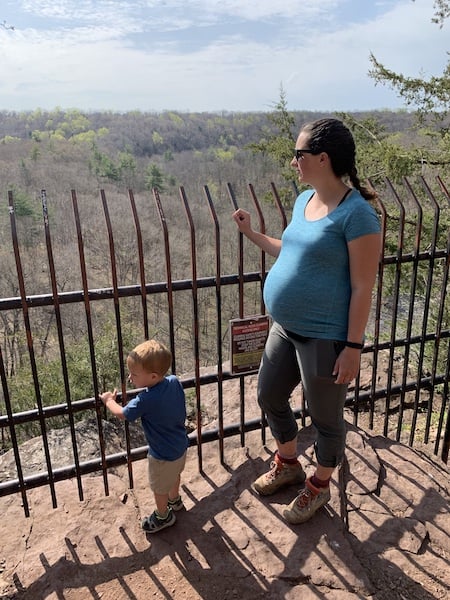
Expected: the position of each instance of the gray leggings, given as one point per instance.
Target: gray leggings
(286, 362)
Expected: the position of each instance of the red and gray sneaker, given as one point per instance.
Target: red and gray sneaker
(308, 502)
(279, 475)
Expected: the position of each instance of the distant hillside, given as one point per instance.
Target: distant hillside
(148, 134)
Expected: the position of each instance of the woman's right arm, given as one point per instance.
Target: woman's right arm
(268, 244)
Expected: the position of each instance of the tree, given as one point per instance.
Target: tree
(432, 95)
(154, 178)
(427, 95)
(279, 145)
(442, 11)
(279, 142)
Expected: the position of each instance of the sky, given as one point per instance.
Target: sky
(212, 55)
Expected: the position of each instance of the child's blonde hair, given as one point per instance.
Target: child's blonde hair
(153, 356)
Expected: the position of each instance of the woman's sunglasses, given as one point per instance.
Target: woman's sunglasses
(298, 154)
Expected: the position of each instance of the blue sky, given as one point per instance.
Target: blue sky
(212, 55)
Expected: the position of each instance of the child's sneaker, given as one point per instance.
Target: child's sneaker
(309, 500)
(154, 523)
(279, 475)
(176, 504)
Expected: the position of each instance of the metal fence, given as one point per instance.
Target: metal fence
(176, 268)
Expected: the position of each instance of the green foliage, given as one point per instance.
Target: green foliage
(225, 154)
(157, 138)
(429, 97)
(87, 137)
(442, 11)
(278, 144)
(175, 118)
(381, 155)
(8, 139)
(103, 166)
(21, 388)
(36, 136)
(23, 205)
(106, 354)
(154, 178)
(127, 167)
(35, 153)
(432, 95)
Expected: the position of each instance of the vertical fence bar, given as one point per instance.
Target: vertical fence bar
(262, 229)
(62, 350)
(426, 310)
(438, 327)
(87, 311)
(112, 255)
(378, 306)
(12, 433)
(162, 219)
(218, 291)
(437, 343)
(446, 401)
(279, 206)
(413, 287)
(395, 303)
(30, 344)
(357, 388)
(445, 395)
(140, 247)
(195, 324)
(235, 206)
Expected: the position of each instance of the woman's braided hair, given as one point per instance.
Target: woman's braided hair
(334, 138)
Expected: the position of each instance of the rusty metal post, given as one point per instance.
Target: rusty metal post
(62, 350)
(188, 213)
(30, 344)
(137, 227)
(169, 282)
(112, 256)
(87, 309)
(218, 291)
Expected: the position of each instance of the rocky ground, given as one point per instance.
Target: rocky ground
(385, 534)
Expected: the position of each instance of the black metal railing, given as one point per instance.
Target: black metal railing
(177, 268)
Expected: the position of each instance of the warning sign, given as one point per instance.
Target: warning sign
(248, 337)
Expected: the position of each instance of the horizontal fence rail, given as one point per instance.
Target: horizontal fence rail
(81, 285)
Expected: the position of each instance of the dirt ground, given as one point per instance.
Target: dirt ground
(385, 534)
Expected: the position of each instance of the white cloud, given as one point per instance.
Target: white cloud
(211, 54)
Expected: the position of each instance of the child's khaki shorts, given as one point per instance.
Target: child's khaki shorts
(163, 474)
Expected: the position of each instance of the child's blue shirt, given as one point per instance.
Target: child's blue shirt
(162, 409)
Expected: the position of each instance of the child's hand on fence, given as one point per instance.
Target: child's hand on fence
(109, 399)
(107, 396)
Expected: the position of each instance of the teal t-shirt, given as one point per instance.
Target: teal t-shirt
(307, 290)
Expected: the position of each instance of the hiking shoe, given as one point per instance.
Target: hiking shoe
(309, 500)
(154, 523)
(279, 475)
(176, 504)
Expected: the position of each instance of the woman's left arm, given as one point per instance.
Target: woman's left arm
(364, 256)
